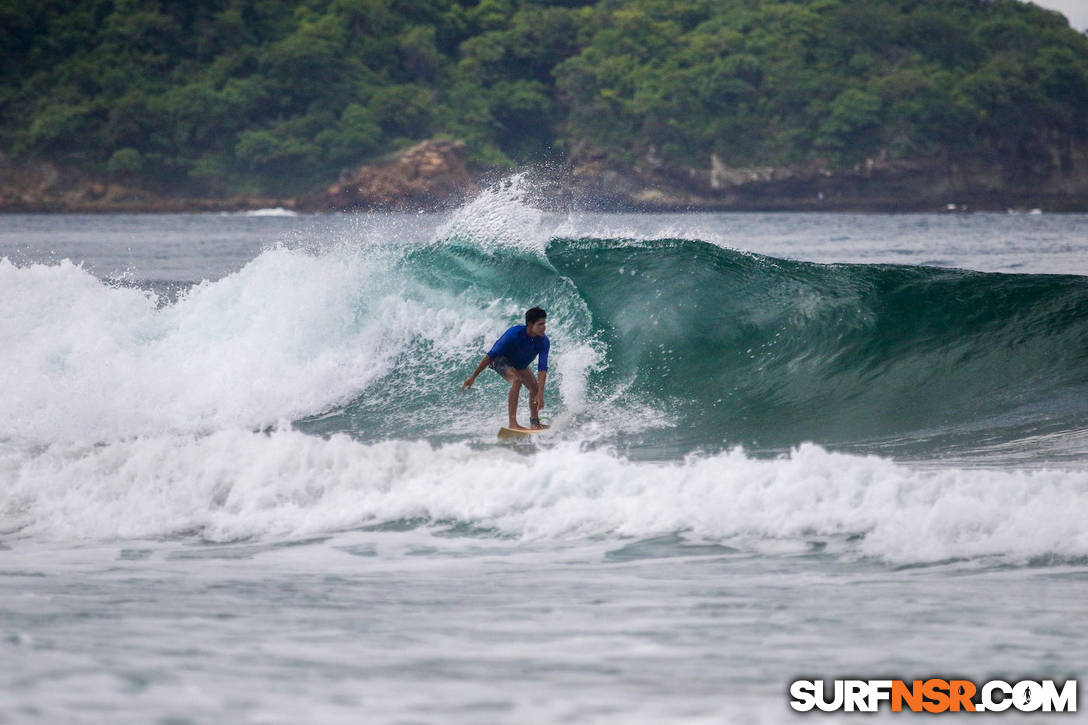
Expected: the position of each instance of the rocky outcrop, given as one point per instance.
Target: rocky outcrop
(435, 175)
(878, 184)
(429, 175)
(46, 187)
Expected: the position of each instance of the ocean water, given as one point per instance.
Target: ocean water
(238, 481)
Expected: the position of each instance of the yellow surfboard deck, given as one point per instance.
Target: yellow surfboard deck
(505, 432)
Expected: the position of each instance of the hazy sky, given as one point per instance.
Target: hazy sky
(1075, 10)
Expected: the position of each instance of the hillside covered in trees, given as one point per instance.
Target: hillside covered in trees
(271, 96)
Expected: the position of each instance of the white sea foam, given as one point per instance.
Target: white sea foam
(238, 484)
(271, 211)
(288, 335)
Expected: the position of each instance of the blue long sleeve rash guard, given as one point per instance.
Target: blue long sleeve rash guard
(520, 349)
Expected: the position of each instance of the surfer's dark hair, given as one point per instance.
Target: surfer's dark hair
(533, 314)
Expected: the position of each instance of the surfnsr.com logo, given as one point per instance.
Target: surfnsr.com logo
(933, 695)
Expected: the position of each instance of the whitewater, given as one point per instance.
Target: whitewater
(238, 481)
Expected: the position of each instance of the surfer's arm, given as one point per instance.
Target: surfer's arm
(542, 372)
(479, 369)
(541, 376)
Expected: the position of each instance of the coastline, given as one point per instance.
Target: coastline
(434, 176)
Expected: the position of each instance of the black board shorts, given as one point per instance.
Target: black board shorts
(502, 364)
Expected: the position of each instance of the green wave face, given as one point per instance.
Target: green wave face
(769, 352)
(718, 348)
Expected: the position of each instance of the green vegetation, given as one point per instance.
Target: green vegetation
(253, 95)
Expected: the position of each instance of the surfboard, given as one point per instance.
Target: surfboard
(505, 432)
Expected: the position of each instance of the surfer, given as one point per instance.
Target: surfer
(510, 357)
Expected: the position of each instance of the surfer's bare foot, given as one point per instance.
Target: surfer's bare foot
(516, 426)
(540, 426)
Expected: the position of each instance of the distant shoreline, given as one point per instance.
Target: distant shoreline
(230, 207)
(433, 176)
(286, 207)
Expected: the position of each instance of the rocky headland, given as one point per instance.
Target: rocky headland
(435, 175)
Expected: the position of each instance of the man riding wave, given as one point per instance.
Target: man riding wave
(510, 357)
